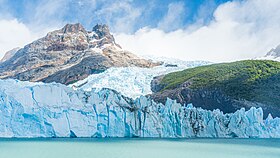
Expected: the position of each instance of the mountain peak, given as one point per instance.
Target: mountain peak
(275, 52)
(68, 55)
(75, 28)
(101, 30)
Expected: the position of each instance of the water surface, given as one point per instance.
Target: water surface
(139, 148)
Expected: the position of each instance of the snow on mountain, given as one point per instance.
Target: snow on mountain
(55, 110)
(133, 81)
(269, 58)
(273, 54)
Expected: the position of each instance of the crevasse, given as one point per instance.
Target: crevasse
(132, 81)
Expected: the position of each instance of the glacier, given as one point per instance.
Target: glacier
(133, 81)
(55, 110)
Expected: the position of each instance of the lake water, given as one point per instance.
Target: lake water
(139, 148)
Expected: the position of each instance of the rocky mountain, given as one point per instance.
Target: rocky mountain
(68, 55)
(9, 54)
(55, 110)
(273, 54)
(225, 86)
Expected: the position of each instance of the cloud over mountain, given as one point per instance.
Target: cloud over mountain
(212, 30)
(239, 30)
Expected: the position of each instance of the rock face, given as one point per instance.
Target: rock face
(54, 110)
(68, 55)
(209, 99)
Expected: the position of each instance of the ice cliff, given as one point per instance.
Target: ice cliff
(55, 110)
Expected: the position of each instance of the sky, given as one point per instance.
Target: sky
(213, 30)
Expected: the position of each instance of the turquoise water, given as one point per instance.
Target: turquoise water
(139, 148)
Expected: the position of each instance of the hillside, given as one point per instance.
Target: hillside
(227, 86)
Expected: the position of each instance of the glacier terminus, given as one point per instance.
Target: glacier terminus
(55, 110)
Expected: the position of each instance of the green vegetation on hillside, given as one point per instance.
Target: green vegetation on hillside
(257, 80)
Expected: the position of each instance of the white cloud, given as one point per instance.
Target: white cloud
(239, 30)
(16, 34)
(48, 14)
(120, 15)
(43, 17)
(13, 34)
(173, 19)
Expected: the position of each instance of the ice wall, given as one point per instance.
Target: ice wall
(55, 110)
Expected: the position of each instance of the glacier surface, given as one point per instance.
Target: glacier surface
(55, 110)
(133, 81)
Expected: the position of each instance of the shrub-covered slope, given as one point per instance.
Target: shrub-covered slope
(227, 86)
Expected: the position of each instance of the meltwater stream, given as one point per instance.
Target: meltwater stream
(139, 148)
